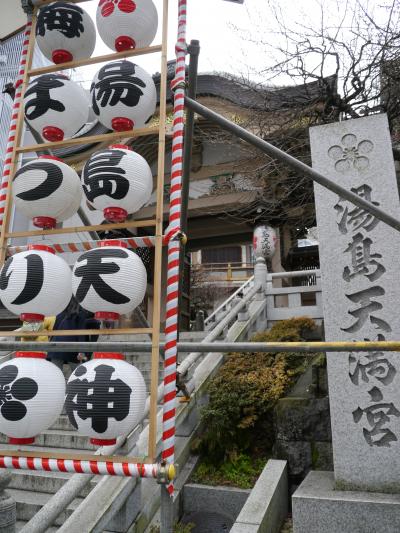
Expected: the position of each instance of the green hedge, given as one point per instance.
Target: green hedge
(239, 416)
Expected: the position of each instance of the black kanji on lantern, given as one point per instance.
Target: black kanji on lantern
(41, 87)
(99, 400)
(93, 271)
(54, 178)
(33, 282)
(12, 390)
(103, 175)
(116, 83)
(65, 18)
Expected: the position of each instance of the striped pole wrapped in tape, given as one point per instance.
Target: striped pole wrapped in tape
(82, 466)
(83, 246)
(173, 231)
(11, 143)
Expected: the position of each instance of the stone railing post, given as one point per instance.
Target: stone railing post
(199, 321)
(8, 513)
(243, 314)
(260, 272)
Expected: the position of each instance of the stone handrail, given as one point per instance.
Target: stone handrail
(224, 307)
(287, 302)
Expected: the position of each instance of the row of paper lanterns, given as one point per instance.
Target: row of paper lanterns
(105, 397)
(116, 181)
(37, 283)
(123, 95)
(65, 32)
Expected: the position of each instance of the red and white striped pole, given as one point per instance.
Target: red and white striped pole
(84, 246)
(14, 117)
(82, 466)
(173, 232)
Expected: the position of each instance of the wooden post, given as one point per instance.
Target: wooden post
(158, 247)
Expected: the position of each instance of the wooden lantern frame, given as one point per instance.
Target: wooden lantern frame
(157, 223)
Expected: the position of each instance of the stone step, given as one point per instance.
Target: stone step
(33, 448)
(55, 438)
(47, 482)
(22, 523)
(29, 503)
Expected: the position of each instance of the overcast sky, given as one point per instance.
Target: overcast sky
(209, 21)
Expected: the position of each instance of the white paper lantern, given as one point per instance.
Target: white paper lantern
(105, 398)
(127, 24)
(117, 181)
(55, 106)
(123, 96)
(47, 191)
(32, 392)
(65, 32)
(109, 281)
(35, 283)
(264, 241)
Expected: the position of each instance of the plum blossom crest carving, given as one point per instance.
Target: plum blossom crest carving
(351, 155)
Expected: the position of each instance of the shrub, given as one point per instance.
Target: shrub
(241, 471)
(238, 418)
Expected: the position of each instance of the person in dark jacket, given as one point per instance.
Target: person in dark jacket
(73, 317)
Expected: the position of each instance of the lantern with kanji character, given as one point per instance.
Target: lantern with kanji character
(55, 106)
(105, 398)
(117, 181)
(47, 191)
(32, 392)
(123, 96)
(264, 242)
(65, 32)
(127, 24)
(35, 283)
(109, 281)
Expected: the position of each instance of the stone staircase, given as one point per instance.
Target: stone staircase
(142, 360)
(30, 489)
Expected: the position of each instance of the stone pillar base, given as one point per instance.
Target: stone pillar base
(319, 508)
(260, 272)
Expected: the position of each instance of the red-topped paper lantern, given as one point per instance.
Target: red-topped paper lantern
(123, 96)
(264, 241)
(47, 191)
(109, 281)
(32, 392)
(65, 32)
(127, 24)
(35, 283)
(117, 181)
(55, 106)
(115, 403)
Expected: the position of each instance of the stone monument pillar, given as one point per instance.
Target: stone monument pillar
(360, 274)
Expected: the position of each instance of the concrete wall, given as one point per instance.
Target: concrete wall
(267, 506)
